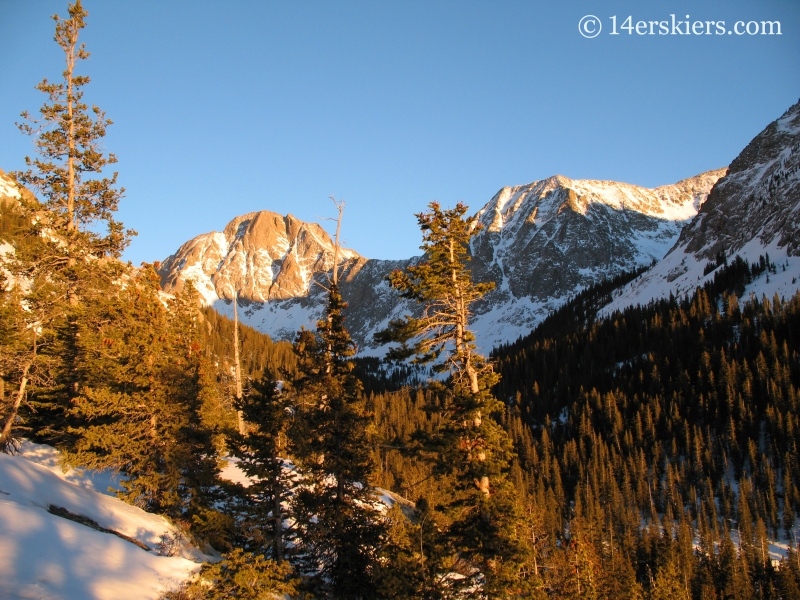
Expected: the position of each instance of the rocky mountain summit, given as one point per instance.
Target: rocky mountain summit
(753, 211)
(262, 255)
(539, 243)
(545, 241)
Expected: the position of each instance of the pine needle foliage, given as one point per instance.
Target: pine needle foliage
(339, 526)
(140, 408)
(443, 285)
(242, 575)
(69, 140)
(267, 411)
(66, 246)
(472, 446)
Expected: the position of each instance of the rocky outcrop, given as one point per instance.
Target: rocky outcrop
(262, 255)
(753, 211)
(539, 243)
(759, 197)
(544, 241)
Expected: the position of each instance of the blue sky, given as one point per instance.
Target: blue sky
(222, 108)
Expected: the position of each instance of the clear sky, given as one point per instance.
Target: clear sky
(222, 108)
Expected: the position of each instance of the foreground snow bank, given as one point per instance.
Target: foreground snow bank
(45, 556)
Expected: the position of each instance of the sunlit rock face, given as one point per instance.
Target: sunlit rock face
(262, 255)
(759, 197)
(753, 212)
(544, 241)
(539, 243)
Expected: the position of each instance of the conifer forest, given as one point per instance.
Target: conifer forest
(647, 453)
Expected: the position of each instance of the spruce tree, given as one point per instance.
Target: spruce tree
(401, 572)
(140, 409)
(262, 450)
(668, 583)
(69, 139)
(340, 528)
(242, 575)
(65, 259)
(472, 445)
(29, 308)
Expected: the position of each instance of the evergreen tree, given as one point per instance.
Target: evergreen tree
(140, 409)
(265, 409)
(789, 575)
(69, 140)
(26, 325)
(733, 579)
(64, 259)
(400, 571)
(486, 518)
(240, 575)
(668, 583)
(340, 528)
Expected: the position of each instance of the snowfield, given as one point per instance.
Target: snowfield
(44, 556)
(47, 557)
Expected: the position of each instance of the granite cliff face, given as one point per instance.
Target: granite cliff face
(539, 243)
(545, 241)
(262, 255)
(753, 210)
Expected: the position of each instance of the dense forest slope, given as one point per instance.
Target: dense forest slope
(648, 440)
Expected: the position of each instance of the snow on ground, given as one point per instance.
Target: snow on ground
(281, 319)
(234, 473)
(47, 456)
(45, 556)
(507, 321)
(778, 549)
(681, 273)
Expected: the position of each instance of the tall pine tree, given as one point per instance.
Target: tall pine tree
(146, 387)
(486, 520)
(339, 525)
(63, 262)
(262, 450)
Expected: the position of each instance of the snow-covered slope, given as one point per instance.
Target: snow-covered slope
(753, 211)
(540, 243)
(43, 555)
(8, 193)
(543, 242)
(8, 187)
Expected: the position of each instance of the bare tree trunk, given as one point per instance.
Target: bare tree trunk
(277, 512)
(70, 51)
(339, 207)
(462, 347)
(5, 436)
(237, 368)
(339, 489)
(72, 221)
(335, 279)
(473, 378)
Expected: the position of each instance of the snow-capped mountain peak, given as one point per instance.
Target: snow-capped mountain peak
(262, 255)
(539, 243)
(753, 211)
